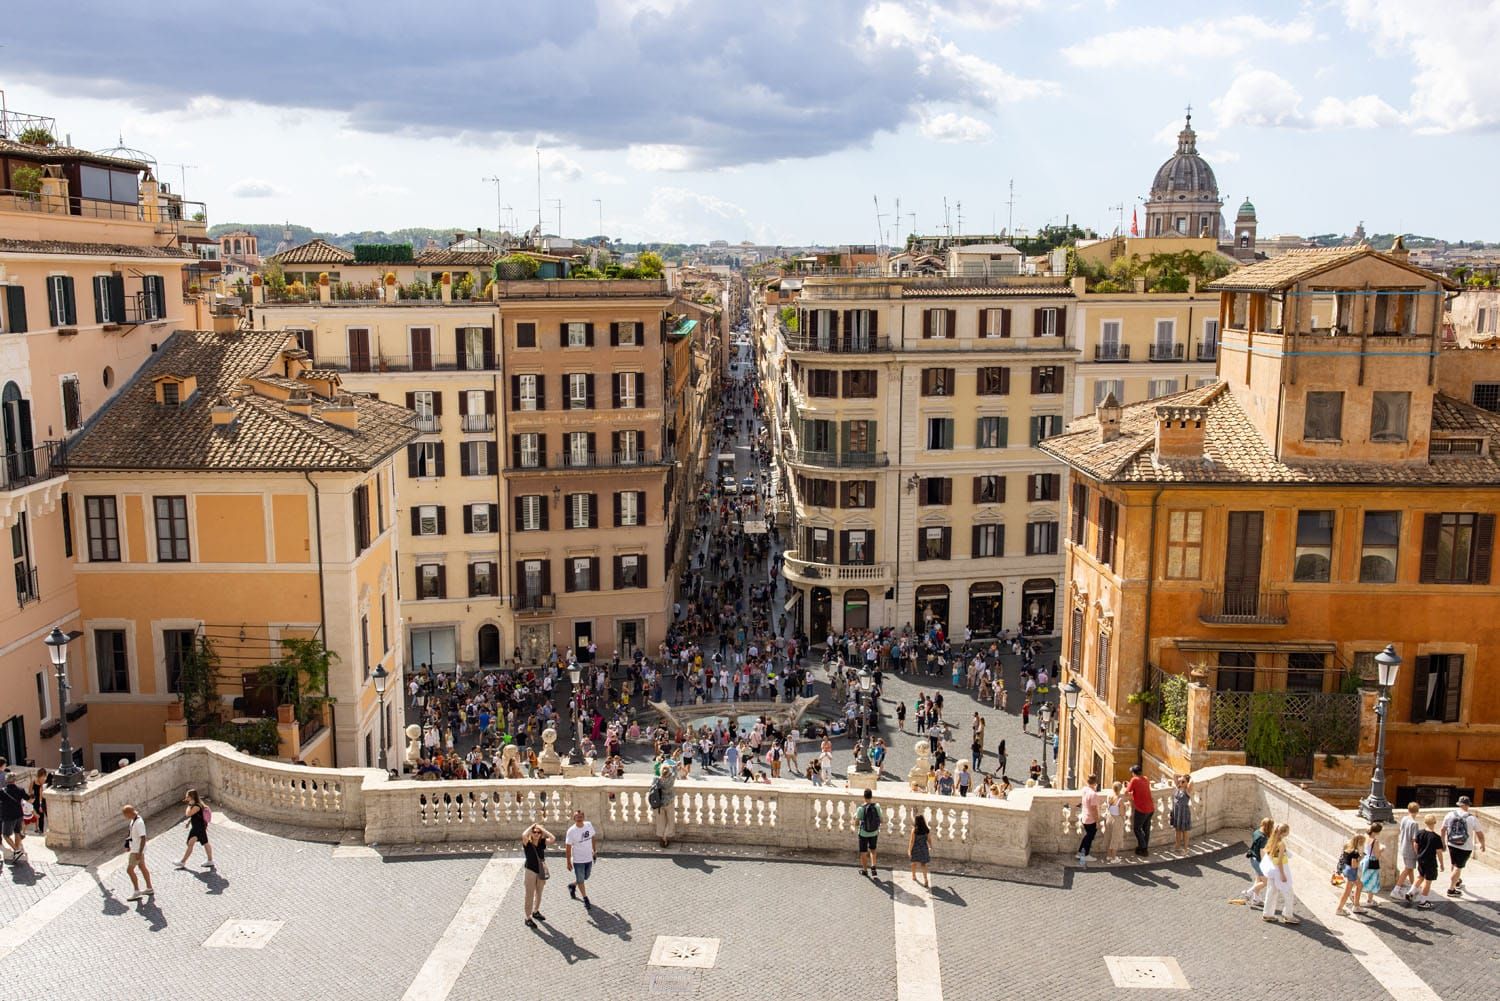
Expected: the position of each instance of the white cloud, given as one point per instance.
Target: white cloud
(1260, 97)
(900, 26)
(1220, 155)
(559, 165)
(1158, 46)
(992, 84)
(381, 190)
(951, 127)
(676, 214)
(353, 170)
(1366, 112)
(1167, 134)
(1455, 87)
(658, 156)
(254, 187)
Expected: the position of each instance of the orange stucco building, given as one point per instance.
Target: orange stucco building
(1333, 492)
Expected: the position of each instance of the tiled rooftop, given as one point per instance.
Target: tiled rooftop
(313, 252)
(983, 291)
(1235, 452)
(8, 246)
(53, 154)
(133, 431)
(1298, 265)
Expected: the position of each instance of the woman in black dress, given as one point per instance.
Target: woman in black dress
(39, 783)
(534, 844)
(197, 819)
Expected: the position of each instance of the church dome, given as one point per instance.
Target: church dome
(1247, 210)
(1186, 173)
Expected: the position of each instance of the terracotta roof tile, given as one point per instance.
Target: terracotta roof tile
(985, 291)
(92, 249)
(313, 252)
(54, 154)
(133, 431)
(1297, 265)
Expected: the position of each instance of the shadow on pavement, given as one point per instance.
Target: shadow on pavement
(570, 950)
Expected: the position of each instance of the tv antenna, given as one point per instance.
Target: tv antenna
(1010, 208)
(499, 209)
(558, 203)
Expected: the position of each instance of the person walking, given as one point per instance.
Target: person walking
(901, 717)
(13, 818)
(1114, 826)
(1462, 832)
(39, 783)
(198, 815)
(918, 849)
(1088, 816)
(1000, 756)
(1349, 860)
(534, 846)
(1141, 808)
(661, 799)
(964, 778)
(135, 845)
(1429, 849)
(976, 743)
(869, 831)
(1255, 895)
(1026, 716)
(581, 850)
(1182, 811)
(1406, 851)
(1276, 864)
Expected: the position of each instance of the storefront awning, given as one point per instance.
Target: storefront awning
(755, 528)
(796, 597)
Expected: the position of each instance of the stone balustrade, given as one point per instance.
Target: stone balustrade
(790, 815)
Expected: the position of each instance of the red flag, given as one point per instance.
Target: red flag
(1134, 229)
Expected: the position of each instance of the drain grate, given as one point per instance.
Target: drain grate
(672, 982)
(242, 934)
(684, 952)
(1146, 972)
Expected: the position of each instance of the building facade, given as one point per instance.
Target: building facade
(907, 417)
(1268, 534)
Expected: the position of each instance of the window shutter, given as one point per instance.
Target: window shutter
(614, 335)
(469, 519)
(494, 513)
(833, 321)
(947, 489)
(640, 389)
(463, 358)
(1000, 489)
(487, 340)
(640, 571)
(70, 306)
(1036, 322)
(1005, 381)
(588, 334)
(614, 443)
(588, 382)
(593, 450)
(541, 451)
(15, 309)
(471, 580)
(843, 546)
(952, 327)
(1484, 544)
(53, 307)
(463, 403)
(614, 388)
(442, 519)
(546, 576)
(463, 458)
(619, 574)
(948, 433)
(926, 335)
(593, 510)
(926, 381)
(562, 331)
(515, 450)
(1431, 526)
(437, 404)
(489, 401)
(438, 450)
(1062, 322)
(546, 516)
(640, 506)
(1005, 322)
(411, 401)
(1036, 379)
(616, 499)
(874, 325)
(416, 521)
(98, 303)
(442, 581)
(1005, 432)
(947, 543)
(541, 392)
(977, 481)
(117, 297)
(594, 573)
(411, 461)
(974, 541)
(492, 453)
(950, 383)
(1420, 670)
(984, 322)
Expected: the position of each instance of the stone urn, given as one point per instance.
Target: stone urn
(548, 763)
(921, 772)
(413, 746)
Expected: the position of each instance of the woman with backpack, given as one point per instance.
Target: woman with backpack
(198, 816)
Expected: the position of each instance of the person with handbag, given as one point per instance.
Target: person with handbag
(534, 845)
(1349, 863)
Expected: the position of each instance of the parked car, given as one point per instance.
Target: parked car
(747, 485)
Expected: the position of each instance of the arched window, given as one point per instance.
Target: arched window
(489, 646)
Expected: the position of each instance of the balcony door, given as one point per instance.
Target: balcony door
(20, 460)
(1242, 563)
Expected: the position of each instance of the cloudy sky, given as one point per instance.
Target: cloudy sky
(699, 119)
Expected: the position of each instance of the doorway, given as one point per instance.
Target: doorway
(1242, 563)
(1038, 596)
(628, 637)
(932, 607)
(583, 636)
(489, 646)
(857, 609)
(822, 614)
(986, 600)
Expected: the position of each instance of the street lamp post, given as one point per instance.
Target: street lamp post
(69, 775)
(575, 756)
(1070, 692)
(1045, 782)
(1375, 806)
(861, 750)
(381, 677)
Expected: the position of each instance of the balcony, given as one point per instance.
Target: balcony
(835, 345)
(1168, 352)
(533, 604)
(32, 465)
(863, 574)
(1207, 352)
(428, 424)
(639, 459)
(403, 363)
(1254, 608)
(1111, 352)
(836, 460)
(478, 423)
(27, 588)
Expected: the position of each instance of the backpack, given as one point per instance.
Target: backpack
(654, 797)
(865, 822)
(208, 815)
(1458, 832)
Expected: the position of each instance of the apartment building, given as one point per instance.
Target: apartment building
(536, 505)
(91, 273)
(1141, 345)
(233, 495)
(1267, 535)
(908, 414)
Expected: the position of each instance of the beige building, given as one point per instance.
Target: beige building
(91, 272)
(907, 414)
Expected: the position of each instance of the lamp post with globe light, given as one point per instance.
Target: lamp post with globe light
(1045, 782)
(866, 686)
(381, 678)
(69, 775)
(1070, 692)
(1375, 806)
(575, 756)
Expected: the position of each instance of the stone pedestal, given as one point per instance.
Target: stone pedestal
(582, 771)
(921, 772)
(548, 763)
(862, 780)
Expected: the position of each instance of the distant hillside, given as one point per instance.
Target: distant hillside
(271, 235)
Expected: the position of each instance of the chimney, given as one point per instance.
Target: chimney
(223, 413)
(1108, 414)
(1398, 248)
(295, 362)
(1080, 284)
(445, 286)
(1140, 285)
(325, 290)
(257, 290)
(344, 414)
(1179, 431)
(299, 403)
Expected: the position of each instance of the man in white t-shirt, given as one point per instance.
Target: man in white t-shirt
(1461, 832)
(582, 848)
(135, 844)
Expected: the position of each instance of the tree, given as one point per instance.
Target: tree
(299, 675)
(26, 179)
(650, 264)
(198, 680)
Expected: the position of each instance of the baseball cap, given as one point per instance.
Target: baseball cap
(1464, 801)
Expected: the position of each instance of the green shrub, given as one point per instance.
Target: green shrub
(1174, 699)
(382, 253)
(259, 738)
(27, 179)
(37, 136)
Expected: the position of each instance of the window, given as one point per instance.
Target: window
(939, 433)
(627, 390)
(20, 547)
(625, 334)
(427, 405)
(478, 458)
(1044, 426)
(1107, 387)
(1079, 513)
(1210, 345)
(822, 382)
(816, 492)
(481, 579)
(1041, 538)
(1044, 486)
(628, 503)
(385, 633)
(475, 353)
(1161, 387)
(364, 654)
(532, 513)
(935, 490)
(1314, 557)
(1108, 521)
(1236, 671)
(817, 435)
(432, 581)
(935, 543)
(527, 397)
(937, 382)
(581, 575)
(111, 661)
(861, 325)
(61, 309)
(526, 335)
(361, 501)
(1166, 333)
(858, 494)
(992, 432)
(359, 349)
(1323, 420)
(1456, 548)
(994, 322)
(820, 545)
(1101, 662)
(103, 525)
(580, 391)
(153, 297)
(109, 299)
(1381, 543)
(481, 518)
(1486, 396)
(576, 335)
(427, 520)
(1075, 637)
(72, 404)
(1046, 379)
(627, 450)
(989, 489)
(1109, 340)
(1184, 545)
(1047, 323)
(937, 323)
(581, 513)
(628, 572)
(859, 384)
(994, 381)
(476, 409)
(1388, 416)
(530, 450)
(859, 436)
(171, 529)
(1437, 688)
(858, 548)
(989, 540)
(1304, 672)
(67, 525)
(424, 459)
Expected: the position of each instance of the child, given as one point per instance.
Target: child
(1429, 845)
(1256, 893)
(1349, 858)
(1276, 864)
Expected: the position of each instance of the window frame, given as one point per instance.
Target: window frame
(175, 522)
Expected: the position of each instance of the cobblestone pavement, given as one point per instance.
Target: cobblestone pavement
(362, 927)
